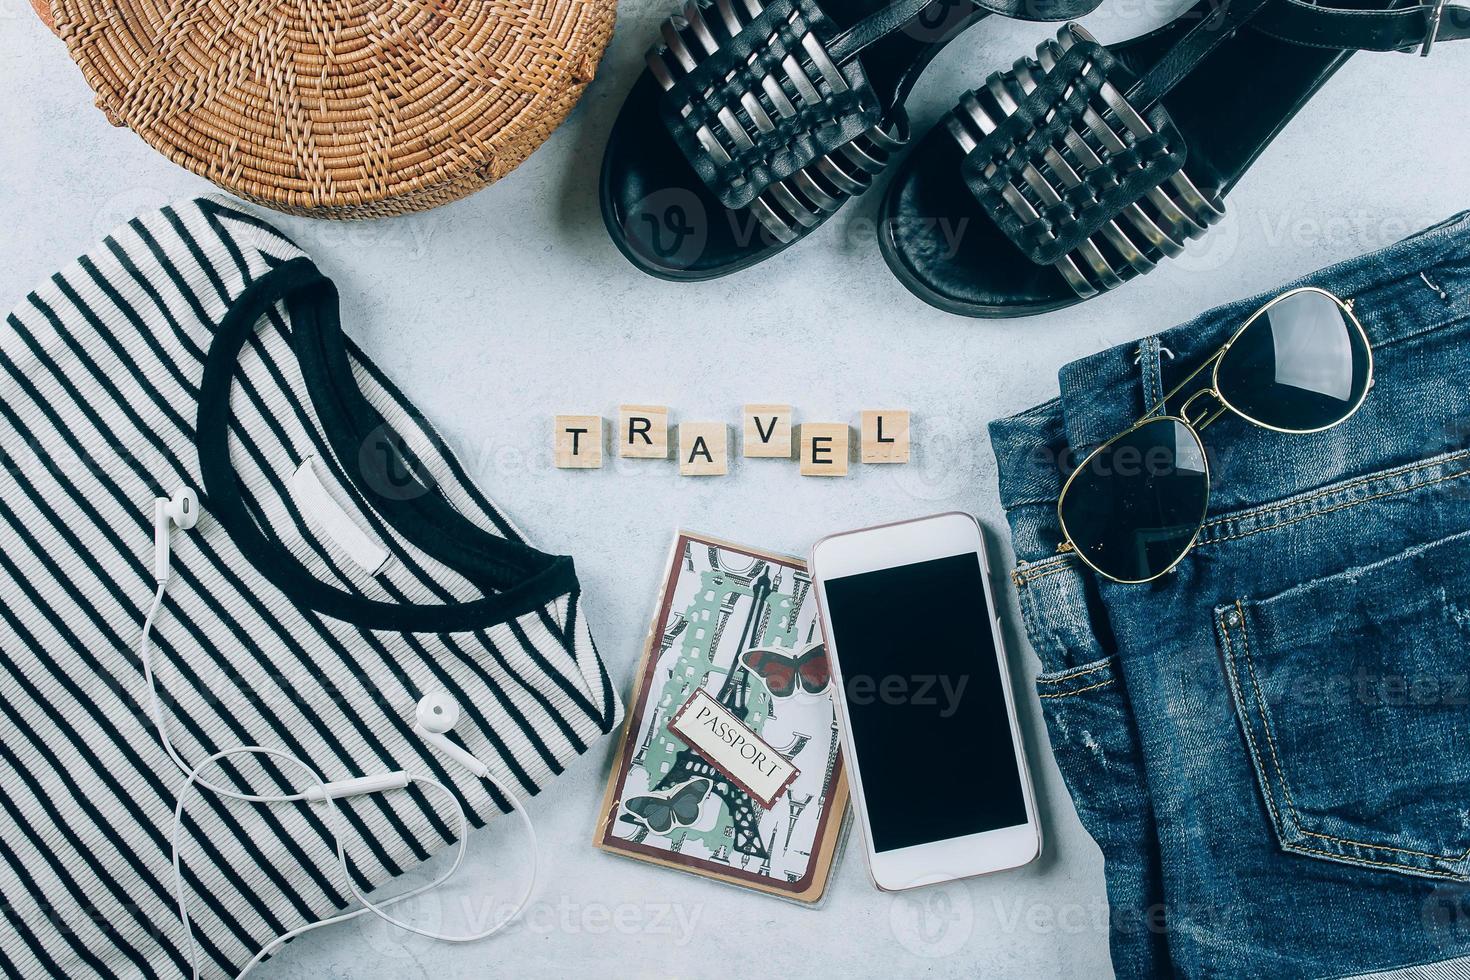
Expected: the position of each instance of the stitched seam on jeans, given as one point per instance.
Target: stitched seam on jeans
(1385, 847)
(1250, 663)
(1076, 672)
(1068, 694)
(1286, 787)
(1040, 569)
(1336, 507)
(1330, 491)
(1245, 724)
(1349, 859)
(1370, 478)
(1050, 561)
(1027, 580)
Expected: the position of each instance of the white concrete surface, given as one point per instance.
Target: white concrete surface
(501, 310)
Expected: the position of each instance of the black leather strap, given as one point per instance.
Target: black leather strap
(739, 137)
(1012, 171)
(1212, 30)
(1400, 29)
(1305, 23)
(874, 28)
(899, 14)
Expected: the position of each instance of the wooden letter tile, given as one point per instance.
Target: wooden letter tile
(886, 436)
(767, 431)
(643, 431)
(704, 449)
(824, 448)
(577, 443)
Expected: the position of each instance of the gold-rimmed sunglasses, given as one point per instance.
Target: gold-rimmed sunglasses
(1135, 506)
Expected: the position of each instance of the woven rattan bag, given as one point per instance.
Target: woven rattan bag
(339, 108)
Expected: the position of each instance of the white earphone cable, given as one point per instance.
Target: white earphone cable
(193, 781)
(155, 713)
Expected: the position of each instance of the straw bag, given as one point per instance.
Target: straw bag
(339, 108)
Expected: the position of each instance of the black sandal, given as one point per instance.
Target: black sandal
(1085, 166)
(757, 119)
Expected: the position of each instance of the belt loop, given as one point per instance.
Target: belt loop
(1150, 372)
(1435, 15)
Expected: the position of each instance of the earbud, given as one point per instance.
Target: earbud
(435, 718)
(181, 510)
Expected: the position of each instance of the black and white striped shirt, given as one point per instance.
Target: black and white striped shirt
(197, 345)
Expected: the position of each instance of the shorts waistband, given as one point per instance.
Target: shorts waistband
(1411, 287)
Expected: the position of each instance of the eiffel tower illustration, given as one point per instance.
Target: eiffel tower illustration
(672, 633)
(765, 868)
(796, 804)
(733, 695)
(642, 753)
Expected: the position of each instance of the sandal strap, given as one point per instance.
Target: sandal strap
(765, 113)
(1408, 28)
(1212, 30)
(1073, 172)
(881, 23)
(1305, 23)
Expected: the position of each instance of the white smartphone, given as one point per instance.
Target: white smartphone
(934, 754)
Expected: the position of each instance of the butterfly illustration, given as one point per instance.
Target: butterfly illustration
(661, 812)
(783, 673)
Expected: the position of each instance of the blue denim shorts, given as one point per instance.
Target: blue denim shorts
(1271, 744)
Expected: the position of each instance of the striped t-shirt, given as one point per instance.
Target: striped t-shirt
(198, 346)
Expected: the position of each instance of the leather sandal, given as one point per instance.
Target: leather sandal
(757, 119)
(1086, 166)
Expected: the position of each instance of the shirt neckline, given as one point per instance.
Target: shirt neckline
(523, 579)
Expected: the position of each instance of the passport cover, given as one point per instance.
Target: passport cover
(741, 625)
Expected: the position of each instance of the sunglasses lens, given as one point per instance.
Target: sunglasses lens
(1302, 365)
(1134, 506)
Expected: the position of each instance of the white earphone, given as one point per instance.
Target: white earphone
(181, 511)
(434, 717)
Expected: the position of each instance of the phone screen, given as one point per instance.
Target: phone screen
(925, 702)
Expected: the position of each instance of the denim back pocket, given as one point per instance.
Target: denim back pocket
(1353, 696)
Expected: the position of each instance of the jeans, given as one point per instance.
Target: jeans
(1271, 744)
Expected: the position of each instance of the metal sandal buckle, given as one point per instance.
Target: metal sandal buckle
(1436, 14)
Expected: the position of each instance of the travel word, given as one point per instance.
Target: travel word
(703, 448)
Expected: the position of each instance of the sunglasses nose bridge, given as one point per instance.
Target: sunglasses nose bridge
(1210, 412)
